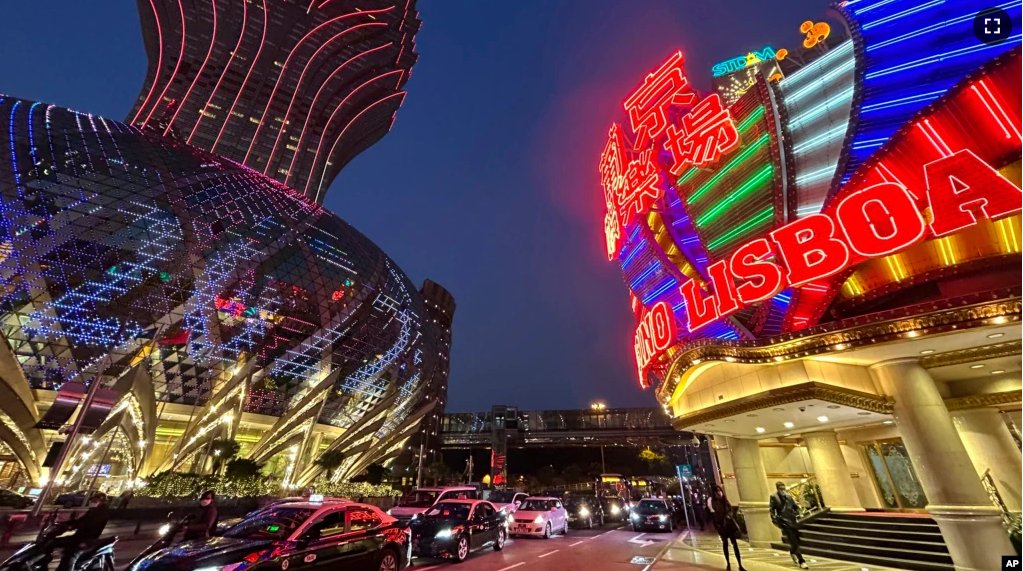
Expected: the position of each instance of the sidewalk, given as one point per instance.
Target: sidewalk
(703, 549)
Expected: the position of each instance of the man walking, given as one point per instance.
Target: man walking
(784, 514)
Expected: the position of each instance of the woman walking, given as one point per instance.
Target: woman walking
(724, 522)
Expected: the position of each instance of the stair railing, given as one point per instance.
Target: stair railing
(1009, 519)
(807, 494)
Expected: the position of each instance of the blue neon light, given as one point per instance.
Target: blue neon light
(942, 57)
(920, 97)
(649, 271)
(632, 254)
(903, 14)
(668, 284)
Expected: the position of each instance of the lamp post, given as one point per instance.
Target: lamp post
(600, 407)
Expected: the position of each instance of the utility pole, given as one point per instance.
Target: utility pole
(603, 468)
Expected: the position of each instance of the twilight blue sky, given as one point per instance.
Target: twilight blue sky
(487, 184)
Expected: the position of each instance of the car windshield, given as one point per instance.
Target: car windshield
(449, 510)
(277, 523)
(535, 505)
(418, 499)
(502, 497)
(652, 505)
(577, 501)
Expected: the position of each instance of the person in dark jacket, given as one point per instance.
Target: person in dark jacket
(785, 515)
(203, 524)
(87, 528)
(723, 518)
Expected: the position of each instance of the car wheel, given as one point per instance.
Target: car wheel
(589, 522)
(501, 537)
(462, 549)
(564, 529)
(388, 561)
(547, 531)
(635, 527)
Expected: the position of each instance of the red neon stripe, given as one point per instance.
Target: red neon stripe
(213, 41)
(284, 69)
(181, 56)
(941, 141)
(331, 120)
(991, 111)
(1008, 120)
(927, 133)
(241, 34)
(341, 136)
(230, 112)
(159, 63)
(317, 96)
(298, 86)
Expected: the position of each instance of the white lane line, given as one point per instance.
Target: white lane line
(603, 534)
(512, 566)
(548, 553)
(577, 543)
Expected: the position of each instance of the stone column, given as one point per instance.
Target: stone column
(970, 524)
(991, 447)
(832, 472)
(754, 491)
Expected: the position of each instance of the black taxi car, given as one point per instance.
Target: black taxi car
(295, 536)
(454, 528)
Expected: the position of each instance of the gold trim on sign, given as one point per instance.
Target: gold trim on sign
(786, 395)
(984, 400)
(890, 326)
(969, 355)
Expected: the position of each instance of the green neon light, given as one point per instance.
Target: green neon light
(745, 154)
(752, 183)
(746, 123)
(757, 219)
(688, 175)
(756, 114)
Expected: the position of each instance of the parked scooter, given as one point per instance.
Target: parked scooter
(37, 555)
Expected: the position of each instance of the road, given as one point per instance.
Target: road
(611, 548)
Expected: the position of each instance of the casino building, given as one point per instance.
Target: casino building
(210, 300)
(823, 257)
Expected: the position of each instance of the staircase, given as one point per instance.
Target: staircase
(902, 542)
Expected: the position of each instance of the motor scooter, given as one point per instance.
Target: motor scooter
(37, 555)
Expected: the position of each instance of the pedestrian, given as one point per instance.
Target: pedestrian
(87, 528)
(785, 514)
(205, 522)
(723, 517)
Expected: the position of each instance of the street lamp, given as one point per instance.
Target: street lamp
(600, 407)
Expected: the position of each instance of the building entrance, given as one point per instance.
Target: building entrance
(894, 476)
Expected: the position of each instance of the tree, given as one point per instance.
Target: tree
(242, 468)
(438, 472)
(222, 451)
(330, 460)
(652, 459)
(375, 474)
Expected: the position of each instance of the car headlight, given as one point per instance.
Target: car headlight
(539, 519)
(443, 534)
(664, 518)
(511, 518)
(634, 516)
(615, 510)
(163, 529)
(583, 512)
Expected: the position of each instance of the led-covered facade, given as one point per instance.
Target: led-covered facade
(846, 278)
(211, 301)
(292, 90)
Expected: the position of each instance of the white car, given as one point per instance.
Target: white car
(418, 501)
(507, 500)
(540, 517)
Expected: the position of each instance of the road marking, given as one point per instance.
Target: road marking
(603, 534)
(640, 543)
(577, 543)
(512, 566)
(548, 553)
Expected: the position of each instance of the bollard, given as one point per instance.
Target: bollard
(13, 522)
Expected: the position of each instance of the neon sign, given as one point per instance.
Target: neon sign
(654, 334)
(815, 33)
(873, 222)
(629, 171)
(740, 62)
